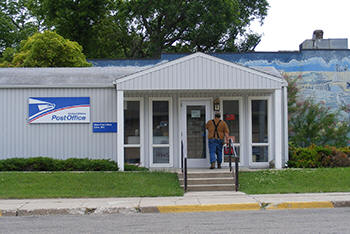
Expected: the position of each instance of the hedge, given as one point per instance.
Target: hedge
(132, 167)
(50, 164)
(318, 156)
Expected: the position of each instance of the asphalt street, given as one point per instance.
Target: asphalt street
(261, 221)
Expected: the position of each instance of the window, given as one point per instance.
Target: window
(161, 132)
(259, 130)
(231, 115)
(132, 131)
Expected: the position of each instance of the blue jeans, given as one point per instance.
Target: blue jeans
(215, 147)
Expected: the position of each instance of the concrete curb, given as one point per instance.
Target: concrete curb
(200, 208)
(177, 208)
(75, 211)
(246, 206)
(341, 204)
(299, 205)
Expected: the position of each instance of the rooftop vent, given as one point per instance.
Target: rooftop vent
(318, 34)
(318, 43)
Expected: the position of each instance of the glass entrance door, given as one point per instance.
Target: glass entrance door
(195, 114)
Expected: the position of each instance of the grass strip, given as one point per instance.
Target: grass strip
(295, 181)
(88, 184)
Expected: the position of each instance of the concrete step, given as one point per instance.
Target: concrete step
(218, 180)
(208, 180)
(213, 187)
(208, 175)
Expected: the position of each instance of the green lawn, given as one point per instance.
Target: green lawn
(150, 184)
(88, 184)
(295, 181)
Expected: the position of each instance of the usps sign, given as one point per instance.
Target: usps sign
(59, 110)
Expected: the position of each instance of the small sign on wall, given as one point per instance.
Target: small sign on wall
(104, 127)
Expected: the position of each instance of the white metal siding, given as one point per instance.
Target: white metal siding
(199, 73)
(18, 138)
(198, 94)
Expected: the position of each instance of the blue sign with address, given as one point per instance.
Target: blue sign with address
(104, 127)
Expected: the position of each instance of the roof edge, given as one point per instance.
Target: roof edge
(72, 86)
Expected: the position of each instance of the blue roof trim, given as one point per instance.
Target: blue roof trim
(289, 61)
(123, 62)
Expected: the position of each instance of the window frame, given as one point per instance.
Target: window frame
(141, 116)
(170, 144)
(241, 122)
(269, 132)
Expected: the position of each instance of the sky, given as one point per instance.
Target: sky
(290, 22)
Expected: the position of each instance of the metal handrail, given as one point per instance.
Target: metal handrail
(236, 159)
(236, 174)
(182, 156)
(185, 175)
(236, 168)
(184, 166)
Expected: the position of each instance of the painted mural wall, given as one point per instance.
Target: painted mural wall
(323, 75)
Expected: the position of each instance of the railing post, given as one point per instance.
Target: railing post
(185, 175)
(230, 162)
(236, 174)
(236, 158)
(182, 157)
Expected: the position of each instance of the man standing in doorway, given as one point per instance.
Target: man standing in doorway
(217, 134)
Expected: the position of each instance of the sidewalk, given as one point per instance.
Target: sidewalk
(190, 202)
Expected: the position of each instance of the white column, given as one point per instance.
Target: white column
(285, 123)
(278, 128)
(120, 133)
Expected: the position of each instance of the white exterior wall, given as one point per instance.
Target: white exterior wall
(21, 139)
(176, 96)
(18, 138)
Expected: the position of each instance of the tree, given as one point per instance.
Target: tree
(72, 19)
(146, 28)
(16, 23)
(48, 49)
(198, 25)
(313, 123)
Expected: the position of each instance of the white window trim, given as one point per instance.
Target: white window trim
(141, 145)
(170, 145)
(240, 144)
(269, 132)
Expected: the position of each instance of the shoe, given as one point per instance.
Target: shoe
(219, 165)
(212, 165)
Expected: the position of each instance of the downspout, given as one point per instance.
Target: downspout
(120, 126)
(285, 123)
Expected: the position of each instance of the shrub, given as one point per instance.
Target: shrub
(313, 123)
(13, 164)
(318, 156)
(49, 164)
(304, 158)
(40, 164)
(131, 167)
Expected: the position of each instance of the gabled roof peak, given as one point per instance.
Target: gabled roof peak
(200, 71)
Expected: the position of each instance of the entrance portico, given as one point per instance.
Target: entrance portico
(162, 112)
